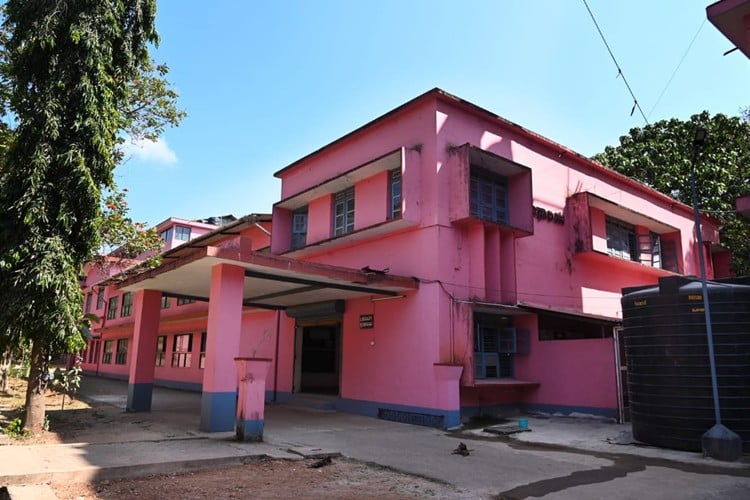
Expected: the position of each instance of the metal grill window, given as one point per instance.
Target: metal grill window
(395, 194)
(488, 197)
(161, 350)
(495, 347)
(108, 347)
(182, 233)
(181, 352)
(127, 304)
(122, 352)
(112, 309)
(167, 235)
(299, 228)
(343, 212)
(202, 359)
(621, 239)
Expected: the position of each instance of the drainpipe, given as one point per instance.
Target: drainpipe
(452, 332)
(101, 336)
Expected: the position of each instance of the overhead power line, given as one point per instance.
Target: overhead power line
(682, 59)
(636, 105)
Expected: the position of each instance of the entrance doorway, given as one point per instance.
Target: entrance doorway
(621, 365)
(318, 359)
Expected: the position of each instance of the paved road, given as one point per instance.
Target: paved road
(560, 458)
(515, 469)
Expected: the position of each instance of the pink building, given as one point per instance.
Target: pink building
(732, 18)
(437, 263)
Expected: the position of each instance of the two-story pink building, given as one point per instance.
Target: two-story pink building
(437, 263)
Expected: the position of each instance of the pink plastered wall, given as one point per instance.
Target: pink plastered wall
(571, 373)
(371, 204)
(192, 374)
(410, 128)
(393, 362)
(320, 219)
(547, 269)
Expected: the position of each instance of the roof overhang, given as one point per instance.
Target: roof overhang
(499, 309)
(271, 282)
(732, 18)
(569, 313)
(626, 215)
(494, 163)
(524, 308)
(389, 161)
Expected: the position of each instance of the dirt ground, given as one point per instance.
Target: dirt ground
(272, 479)
(61, 422)
(342, 479)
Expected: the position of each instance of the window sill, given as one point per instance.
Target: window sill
(504, 226)
(509, 384)
(598, 255)
(355, 237)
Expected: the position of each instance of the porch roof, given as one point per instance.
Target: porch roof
(271, 281)
(731, 18)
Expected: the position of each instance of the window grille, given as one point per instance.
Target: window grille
(299, 228)
(488, 197)
(395, 194)
(343, 212)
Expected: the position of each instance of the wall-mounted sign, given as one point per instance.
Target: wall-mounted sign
(544, 214)
(366, 320)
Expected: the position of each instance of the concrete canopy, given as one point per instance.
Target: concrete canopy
(271, 281)
(732, 17)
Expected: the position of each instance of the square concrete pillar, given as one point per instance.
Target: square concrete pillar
(147, 309)
(219, 398)
(251, 402)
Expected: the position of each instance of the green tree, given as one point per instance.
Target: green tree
(77, 77)
(661, 156)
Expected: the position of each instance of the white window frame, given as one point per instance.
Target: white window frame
(181, 356)
(182, 233)
(395, 186)
(299, 228)
(343, 212)
(167, 234)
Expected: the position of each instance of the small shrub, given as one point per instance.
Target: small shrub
(15, 429)
(68, 381)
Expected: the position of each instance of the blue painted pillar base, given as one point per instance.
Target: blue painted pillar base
(218, 411)
(139, 397)
(249, 430)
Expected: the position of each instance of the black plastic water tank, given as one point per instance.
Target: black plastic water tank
(669, 377)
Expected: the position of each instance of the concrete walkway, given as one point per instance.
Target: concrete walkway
(558, 458)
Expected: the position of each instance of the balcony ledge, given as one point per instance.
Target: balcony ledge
(506, 384)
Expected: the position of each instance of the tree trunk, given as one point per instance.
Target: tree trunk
(38, 377)
(4, 370)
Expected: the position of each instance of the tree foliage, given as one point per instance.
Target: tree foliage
(75, 78)
(661, 156)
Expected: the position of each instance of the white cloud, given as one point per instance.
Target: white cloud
(150, 151)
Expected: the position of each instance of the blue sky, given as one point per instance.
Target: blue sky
(265, 83)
